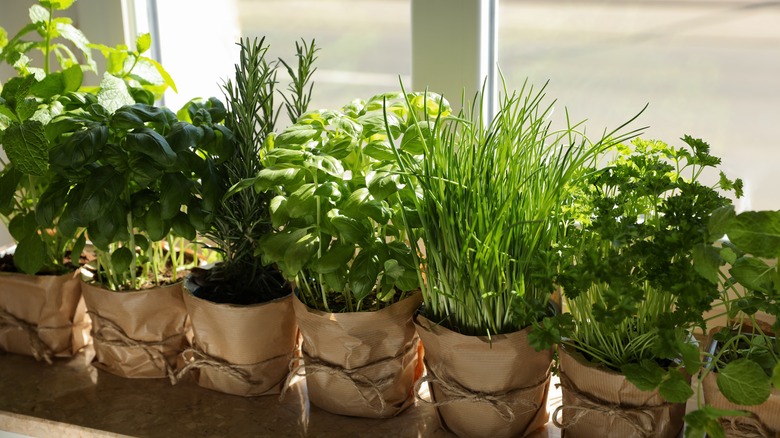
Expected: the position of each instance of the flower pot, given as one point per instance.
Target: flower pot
(137, 334)
(598, 402)
(362, 364)
(765, 418)
(241, 350)
(42, 315)
(484, 387)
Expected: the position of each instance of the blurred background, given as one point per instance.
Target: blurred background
(708, 68)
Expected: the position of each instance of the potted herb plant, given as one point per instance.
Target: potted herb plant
(739, 389)
(244, 327)
(129, 172)
(635, 291)
(341, 240)
(41, 312)
(490, 204)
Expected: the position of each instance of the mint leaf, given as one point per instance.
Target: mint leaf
(744, 382)
(113, 93)
(143, 42)
(757, 232)
(720, 221)
(690, 357)
(776, 376)
(675, 388)
(27, 148)
(646, 375)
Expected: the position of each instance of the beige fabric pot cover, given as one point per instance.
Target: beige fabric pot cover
(137, 334)
(602, 403)
(486, 387)
(42, 315)
(362, 364)
(765, 421)
(241, 350)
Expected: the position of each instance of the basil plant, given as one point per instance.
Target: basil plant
(339, 209)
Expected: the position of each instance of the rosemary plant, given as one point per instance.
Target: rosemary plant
(490, 205)
(242, 217)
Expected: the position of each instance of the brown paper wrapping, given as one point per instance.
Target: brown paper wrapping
(362, 364)
(602, 403)
(42, 315)
(241, 350)
(767, 414)
(484, 387)
(137, 334)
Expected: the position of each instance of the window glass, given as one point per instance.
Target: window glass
(710, 69)
(365, 44)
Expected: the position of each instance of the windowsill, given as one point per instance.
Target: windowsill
(73, 399)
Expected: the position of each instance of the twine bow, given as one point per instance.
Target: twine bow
(640, 419)
(40, 349)
(199, 359)
(746, 427)
(125, 341)
(310, 366)
(501, 402)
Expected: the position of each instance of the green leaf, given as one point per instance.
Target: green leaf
(296, 135)
(336, 280)
(350, 230)
(363, 274)
(383, 184)
(757, 233)
(27, 147)
(30, 254)
(300, 252)
(275, 245)
(393, 269)
(70, 33)
(753, 273)
(336, 258)
(776, 376)
(121, 259)
(690, 357)
(182, 226)
(744, 382)
(166, 78)
(53, 84)
(646, 375)
(57, 4)
(22, 226)
(728, 255)
(39, 14)
(156, 227)
(174, 193)
(113, 93)
(706, 261)
(302, 202)
(143, 42)
(78, 248)
(277, 176)
(72, 78)
(51, 203)
(9, 181)
(279, 214)
(675, 388)
(720, 221)
(152, 144)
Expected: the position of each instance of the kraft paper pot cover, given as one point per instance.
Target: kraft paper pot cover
(601, 402)
(137, 334)
(240, 350)
(493, 387)
(42, 315)
(362, 364)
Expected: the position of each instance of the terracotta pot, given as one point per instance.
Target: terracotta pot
(603, 403)
(137, 334)
(484, 387)
(42, 315)
(241, 350)
(362, 364)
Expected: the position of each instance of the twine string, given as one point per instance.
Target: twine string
(305, 365)
(501, 402)
(745, 427)
(640, 419)
(125, 341)
(199, 359)
(40, 349)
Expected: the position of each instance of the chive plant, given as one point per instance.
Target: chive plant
(491, 196)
